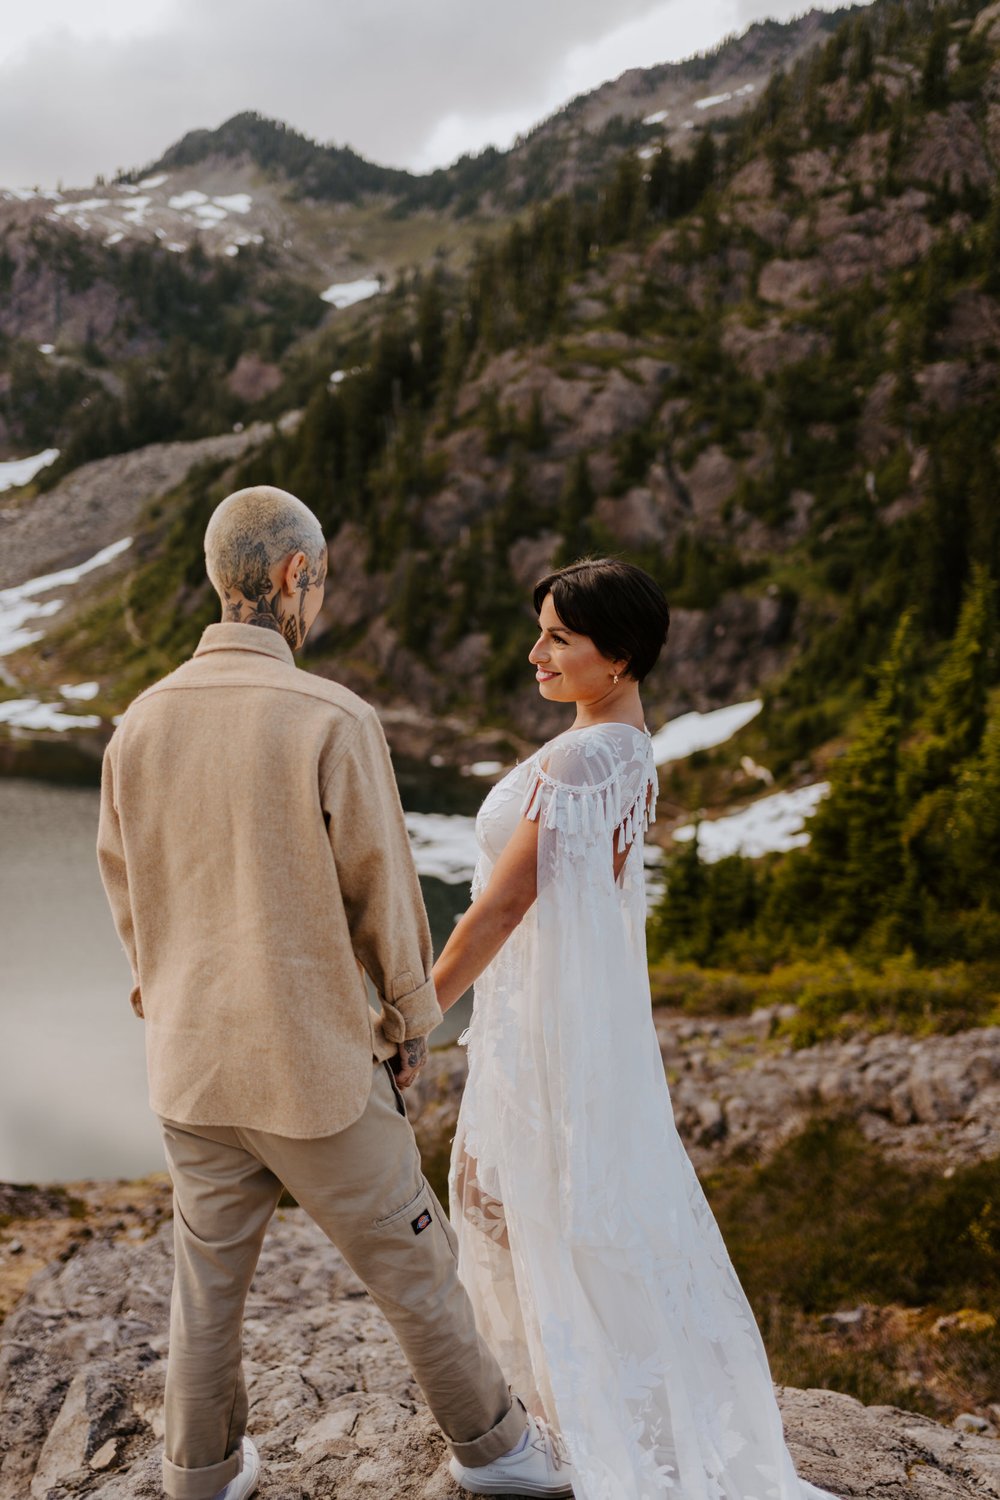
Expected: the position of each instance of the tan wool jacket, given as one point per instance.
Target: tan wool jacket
(254, 852)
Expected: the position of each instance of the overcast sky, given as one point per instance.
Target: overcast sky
(88, 88)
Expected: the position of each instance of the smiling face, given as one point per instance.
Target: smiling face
(568, 667)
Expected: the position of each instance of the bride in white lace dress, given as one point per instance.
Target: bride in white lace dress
(594, 1263)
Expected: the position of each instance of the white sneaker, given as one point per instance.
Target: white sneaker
(541, 1468)
(247, 1479)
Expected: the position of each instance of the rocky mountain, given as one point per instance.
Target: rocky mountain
(765, 367)
(89, 276)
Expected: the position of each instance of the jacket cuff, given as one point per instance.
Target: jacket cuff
(413, 1010)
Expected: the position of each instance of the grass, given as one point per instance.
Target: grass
(830, 1223)
(834, 995)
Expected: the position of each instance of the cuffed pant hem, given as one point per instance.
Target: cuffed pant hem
(499, 1439)
(203, 1484)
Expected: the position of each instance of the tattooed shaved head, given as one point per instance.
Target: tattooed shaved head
(248, 536)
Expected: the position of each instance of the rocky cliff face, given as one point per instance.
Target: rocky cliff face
(333, 1408)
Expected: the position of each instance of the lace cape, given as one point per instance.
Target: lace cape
(596, 1269)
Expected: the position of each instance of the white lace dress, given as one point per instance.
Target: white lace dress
(595, 1266)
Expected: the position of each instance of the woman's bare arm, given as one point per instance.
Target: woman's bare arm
(481, 932)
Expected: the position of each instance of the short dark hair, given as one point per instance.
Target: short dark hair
(616, 604)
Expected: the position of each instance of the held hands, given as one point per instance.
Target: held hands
(410, 1058)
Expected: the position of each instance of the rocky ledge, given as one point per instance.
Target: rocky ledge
(333, 1407)
(738, 1087)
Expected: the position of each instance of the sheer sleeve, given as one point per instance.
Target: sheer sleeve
(594, 792)
(598, 786)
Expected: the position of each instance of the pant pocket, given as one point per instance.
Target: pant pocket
(413, 1208)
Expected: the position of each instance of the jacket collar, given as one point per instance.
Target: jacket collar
(228, 637)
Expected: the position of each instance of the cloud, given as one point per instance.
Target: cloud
(398, 81)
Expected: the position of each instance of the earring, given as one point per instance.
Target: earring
(616, 679)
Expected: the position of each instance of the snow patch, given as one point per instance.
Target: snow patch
(771, 825)
(346, 293)
(647, 152)
(80, 691)
(149, 183)
(48, 349)
(31, 713)
(211, 213)
(711, 100)
(657, 118)
(27, 195)
(135, 212)
(187, 200)
(444, 845)
(694, 731)
(231, 250)
(116, 238)
(19, 605)
(23, 470)
(176, 247)
(235, 203)
(88, 206)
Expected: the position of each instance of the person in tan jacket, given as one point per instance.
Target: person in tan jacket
(255, 857)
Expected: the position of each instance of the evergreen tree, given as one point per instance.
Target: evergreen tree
(934, 75)
(976, 826)
(430, 336)
(856, 833)
(958, 691)
(990, 241)
(575, 505)
(535, 434)
(677, 927)
(862, 52)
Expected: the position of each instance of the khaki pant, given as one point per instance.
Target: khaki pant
(365, 1189)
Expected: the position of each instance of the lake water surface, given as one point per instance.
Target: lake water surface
(72, 1065)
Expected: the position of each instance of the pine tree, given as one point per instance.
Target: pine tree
(493, 426)
(863, 52)
(976, 827)
(934, 76)
(675, 929)
(990, 253)
(535, 434)
(430, 336)
(958, 693)
(856, 833)
(575, 505)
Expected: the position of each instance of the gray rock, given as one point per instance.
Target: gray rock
(969, 1422)
(334, 1409)
(100, 502)
(711, 1121)
(845, 1319)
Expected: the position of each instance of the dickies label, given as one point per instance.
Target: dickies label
(421, 1222)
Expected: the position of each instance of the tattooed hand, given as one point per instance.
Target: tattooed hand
(409, 1060)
